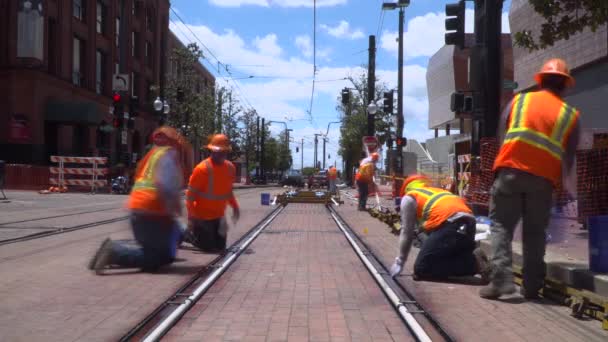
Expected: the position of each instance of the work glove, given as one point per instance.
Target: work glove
(397, 267)
(236, 215)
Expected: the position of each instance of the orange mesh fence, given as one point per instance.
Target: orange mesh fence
(592, 182)
(482, 176)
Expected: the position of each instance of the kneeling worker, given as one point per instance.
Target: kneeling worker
(154, 204)
(449, 250)
(209, 193)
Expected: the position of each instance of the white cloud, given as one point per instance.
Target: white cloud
(343, 30)
(304, 44)
(268, 45)
(279, 3)
(425, 34)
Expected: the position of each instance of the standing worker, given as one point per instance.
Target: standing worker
(449, 250)
(332, 177)
(542, 133)
(365, 178)
(209, 193)
(155, 205)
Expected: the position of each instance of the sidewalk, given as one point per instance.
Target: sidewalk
(300, 281)
(461, 311)
(567, 255)
(48, 294)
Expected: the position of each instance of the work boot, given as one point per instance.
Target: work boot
(529, 295)
(103, 257)
(484, 268)
(493, 291)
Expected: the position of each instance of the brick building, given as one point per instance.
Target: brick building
(57, 61)
(447, 72)
(587, 55)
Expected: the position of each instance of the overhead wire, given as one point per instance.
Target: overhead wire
(314, 59)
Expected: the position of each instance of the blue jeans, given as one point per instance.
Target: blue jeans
(157, 238)
(363, 193)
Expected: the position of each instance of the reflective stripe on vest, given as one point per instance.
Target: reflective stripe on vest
(432, 198)
(552, 144)
(209, 195)
(146, 181)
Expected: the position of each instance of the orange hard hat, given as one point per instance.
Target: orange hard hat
(219, 143)
(413, 182)
(375, 156)
(164, 133)
(555, 66)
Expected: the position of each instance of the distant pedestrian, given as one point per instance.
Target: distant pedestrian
(542, 133)
(365, 178)
(449, 249)
(209, 193)
(154, 204)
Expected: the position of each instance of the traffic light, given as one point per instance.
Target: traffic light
(388, 102)
(133, 106)
(117, 122)
(117, 102)
(454, 24)
(297, 149)
(345, 96)
(401, 142)
(459, 102)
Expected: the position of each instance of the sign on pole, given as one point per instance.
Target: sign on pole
(508, 84)
(370, 143)
(124, 137)
(120, 82)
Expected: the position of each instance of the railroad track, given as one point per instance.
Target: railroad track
(153, 327)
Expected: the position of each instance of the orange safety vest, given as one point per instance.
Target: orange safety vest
(144, 195)
(332, 174)
(435, 206)
(210, 190)
(365, 172)
(539, 127)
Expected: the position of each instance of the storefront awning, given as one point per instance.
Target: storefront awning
(86, 113)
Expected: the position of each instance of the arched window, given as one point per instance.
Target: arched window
(30, 30)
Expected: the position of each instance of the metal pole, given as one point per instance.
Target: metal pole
(302, 153)
(493, 66)
(262, 143)
(371, 83)
(316, 142)
(400, 119)
(257, 150)
(324, 140)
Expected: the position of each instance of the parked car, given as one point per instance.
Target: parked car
(294, 178)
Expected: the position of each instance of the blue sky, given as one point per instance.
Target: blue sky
(272, 40)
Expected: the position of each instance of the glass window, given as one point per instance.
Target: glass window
(51, 48)
(100, 62)
(78, 62)
(117, 32)
(134, 83)
(30, 31)
(101, 17)
(150, 19)
(135, 44)
(78, 9)
(148, 53)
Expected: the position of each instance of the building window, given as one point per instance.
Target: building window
(78, 9)
(116, 68)
(101, 17)
(51, 48)
(100, 63)
(78, 62)
(150, 20)
(30, 30)
(148, 53)
(148, 91)
(135, 44)
(135, 8)
(134, 84)
(117, 32)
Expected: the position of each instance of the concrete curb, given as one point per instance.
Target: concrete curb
(573, 273)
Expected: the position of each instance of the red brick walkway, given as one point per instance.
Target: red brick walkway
(461, 311)
(301, 282)
(47, 294)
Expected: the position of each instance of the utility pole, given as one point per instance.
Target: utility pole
(324, 141)
(316, 143)
(262, 143)
(371, 83)
(302, 153)
(257, 150)
(493, 65)
(400, 119)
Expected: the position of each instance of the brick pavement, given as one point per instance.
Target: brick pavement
(465, 315)
(301, 281)
(47, 294)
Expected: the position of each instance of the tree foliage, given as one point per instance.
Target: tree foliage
(563, 18)
(354, 122)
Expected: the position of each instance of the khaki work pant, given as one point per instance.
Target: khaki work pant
(519, 195)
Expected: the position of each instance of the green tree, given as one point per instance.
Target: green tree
(354, 122)
(247, 137)
(192, 107)
(227, 117)
(563, 18)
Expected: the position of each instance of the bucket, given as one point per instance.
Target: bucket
(598, 243)
(265, 199)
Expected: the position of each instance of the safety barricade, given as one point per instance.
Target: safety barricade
(61, 171)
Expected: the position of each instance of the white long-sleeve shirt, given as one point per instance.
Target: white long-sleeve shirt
(169, 180)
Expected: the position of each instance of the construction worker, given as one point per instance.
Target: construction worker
(449, 249)
(154, 203)
(209, 193)
(542, 133)
(332, 177)
(365, 178)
